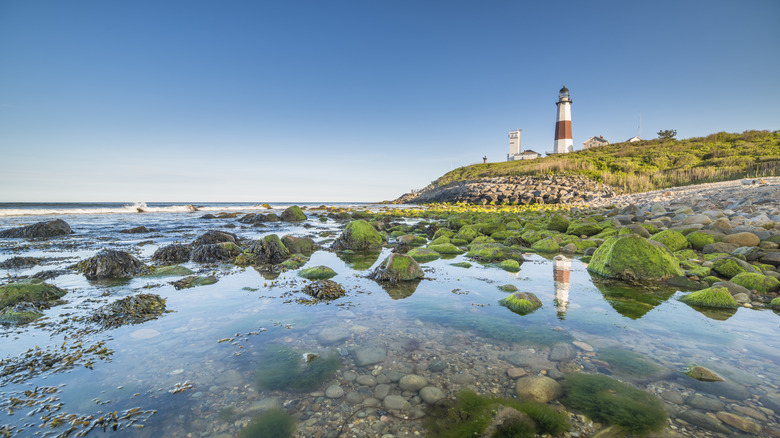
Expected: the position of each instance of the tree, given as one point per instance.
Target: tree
(667, 134)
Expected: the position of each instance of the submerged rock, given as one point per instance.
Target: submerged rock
(57, 227)
(32, 290)
(21, 313)
(358, 235)
(397, 267)
(109, 263)
(19, 263)
(193, 281)
(129, 310)
(633, 258)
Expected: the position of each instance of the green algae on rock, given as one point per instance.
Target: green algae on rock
(546, 245)
(295, 261)
(775, 303)
(699, 240)
(194, 281)
(269, 249)
(522, 303)
(509, 265)
(558, 223)
(728, 267)
(461, 265)
(718, 297)
(397, 267)
(109, 264)
(422, 255)
(632, 258)
(283, 368)
(273, 423)
(18, 314)
(758, 282)
(300, 245)
(169, 271)
(674, 240)
(609, 401)
(293, 213)
(317, 273)
(358, 235)
(583, 229)
(30, 290)
(446, 248)
(493, 252)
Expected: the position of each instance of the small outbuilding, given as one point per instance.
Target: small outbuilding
(594, 142)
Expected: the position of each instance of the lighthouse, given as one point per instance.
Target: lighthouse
(563, 138)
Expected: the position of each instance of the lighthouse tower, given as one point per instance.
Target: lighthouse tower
(563, 138)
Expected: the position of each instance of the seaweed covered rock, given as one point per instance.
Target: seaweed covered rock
(32, 290)
(293, 213)
(136, 230)
(270, 250)
(558, 223)
(699, 239)
(609, 401)
(169, 271)
(111, 264)
(358, 235)
(718, 297)
(446, 248)
(546, 245)
(194, 281)
(510, 265)
(423, 255)
(134, 309)
(317, 273)
(522, 303)
(730, 267)
(324, 290)
(19, 263)
(300, 245)
(632, 258)
(397, 267)
(583, 229)
(674, 240)
(775, 303)
(21, 313)
(759, 282)
(173, 253)
(213, 236)
(295, 261)
(57, 227)
(216, 252)
(493, 252)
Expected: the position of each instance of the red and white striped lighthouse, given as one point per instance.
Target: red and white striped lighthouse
(563, 138)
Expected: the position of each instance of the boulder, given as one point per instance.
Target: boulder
(422, 255)
(173, 253)
(269, 249)
(212, 237)
(558, 223)
(358, 235)
(317, 273)
(216, 252)
(674, 240)
(134, 309)
(110, 264)
(136, 230)
(57, 227)
(194, 281)
(546, 245)
(31, 290)
(299, 245)
(633, 258)
(758, 282)
(293, 213)
(397, 267)
(521, 302)
(729, 267)
(699, 239)
(541, 389)
(717, 297)
(18, 262)
(742, 239)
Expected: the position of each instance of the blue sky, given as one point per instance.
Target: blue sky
(352, 100)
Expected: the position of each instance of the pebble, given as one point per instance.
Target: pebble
(334, 391)
(412, 383)
(431, 394)
(395, 402)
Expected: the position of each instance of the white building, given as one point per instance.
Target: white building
(514, 145)
(594, 142)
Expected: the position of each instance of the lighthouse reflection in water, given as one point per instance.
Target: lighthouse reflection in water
(561, 273)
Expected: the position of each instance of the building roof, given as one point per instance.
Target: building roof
(634, 138)
(529, 152)
(598, 139)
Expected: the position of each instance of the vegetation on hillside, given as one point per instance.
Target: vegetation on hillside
(650, 164)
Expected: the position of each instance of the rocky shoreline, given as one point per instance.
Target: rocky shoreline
(513, 190)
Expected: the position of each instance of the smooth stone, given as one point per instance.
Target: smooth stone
(332, 335)
(371, 402)
(369, 355)
(366, 380)
(354, 398)
(561, 352)
(144, 333)
(394, 376)
(726, 389)
(431, 394)
(672, 397)
(541, 389)
(582, 346)
(699, 418)
(738, 422)
(412, 382)
(742, 239)
(750, 412)
(381, 391)
(334, 391)
(515, 373)
(395, 402)
(438, 366)
(705, 403)
(262, 405)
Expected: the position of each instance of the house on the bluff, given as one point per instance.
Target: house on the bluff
(594, 142)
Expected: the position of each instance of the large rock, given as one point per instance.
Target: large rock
(293, 213)
(540, 389)
(717, 297)
(298, 245)
(758, 282)
(742, 239)
(522, 303)
(412, 383)
(57, 227)
(324, 290)
(129, 310)
(173, 253)
(32, 290)
(397, 267)
(216, 252)
(110, 263)
(674, 240)
(633, 258)
(269, 249)
(212, 237)
(358, 235)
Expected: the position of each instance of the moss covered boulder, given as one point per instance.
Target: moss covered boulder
(729, 267)
(633, 258)
(111, 264)
(397, 267)
(295, 261)
(717, 297)
(583, 229)
(522, 303)
(558, 223)
(269, 249)
(358, 235)
(194, 281)
(169, 271)
(699, 240)
(467, 233)
(674, 240)
(18, 314)
(510, 265)
(775, 303)
(299, 245)
(446, 248)
(317, 273)
(293, 213)
(759, 282)
(493, 252)
(32, 290)
(423, 255)
(546, 245)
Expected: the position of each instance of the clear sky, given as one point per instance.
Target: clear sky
(342, 100)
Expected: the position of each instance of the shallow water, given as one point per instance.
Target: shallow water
(212, 339)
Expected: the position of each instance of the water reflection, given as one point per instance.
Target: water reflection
(401, 289)
(561, 273)
(359, 260)
(631, 301)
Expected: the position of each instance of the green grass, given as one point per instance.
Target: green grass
(650, 164)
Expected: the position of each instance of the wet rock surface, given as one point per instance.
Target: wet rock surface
(111, 264)
(57, 227)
